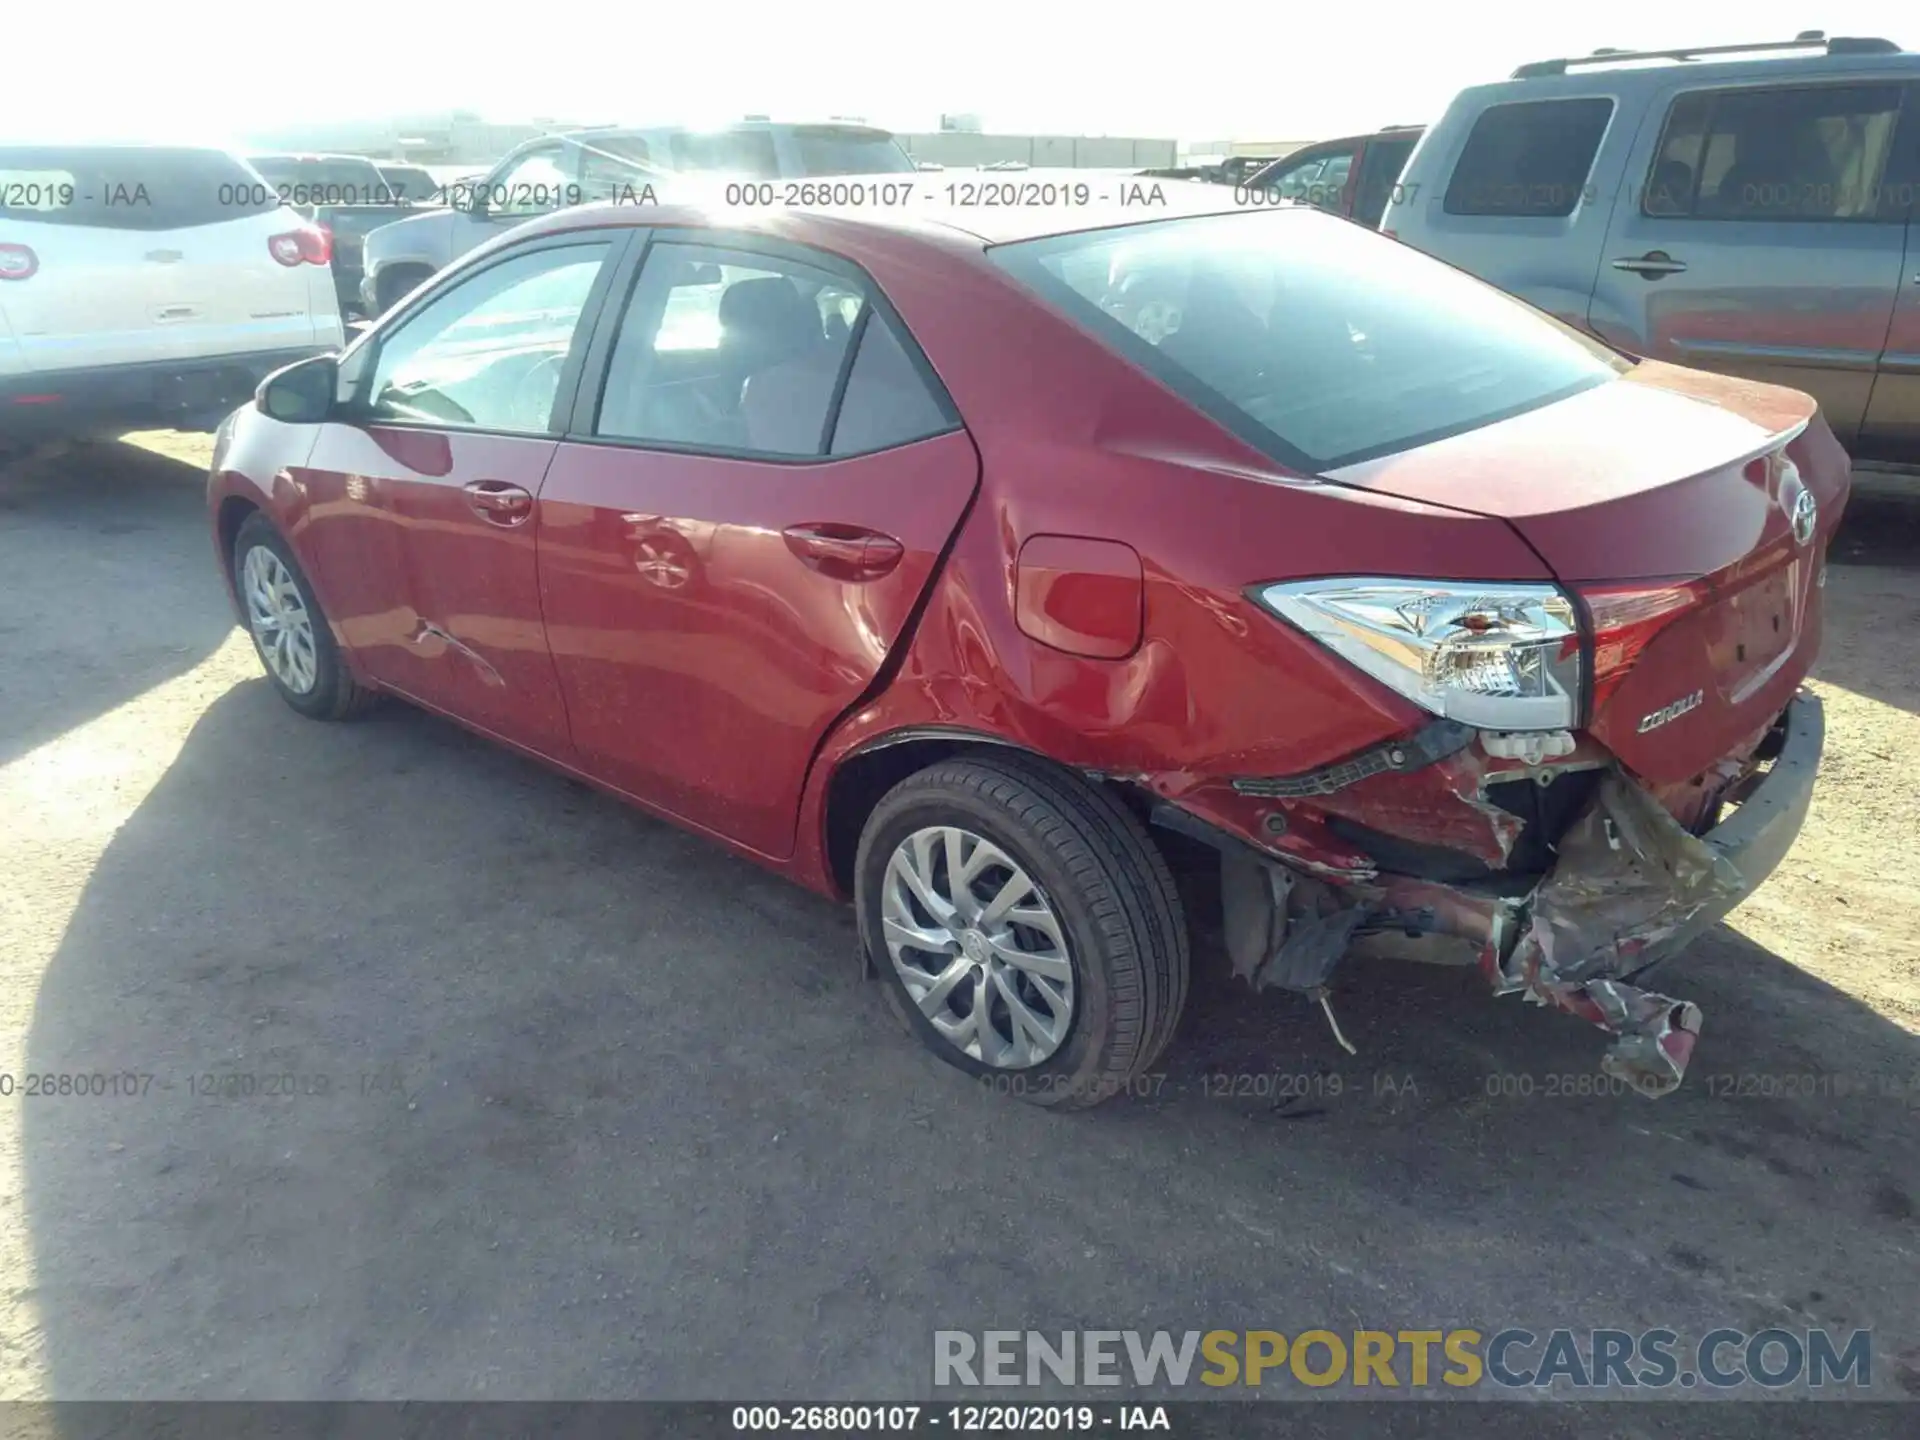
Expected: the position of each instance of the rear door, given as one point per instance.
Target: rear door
(149, 254)
(1891, 429)
(421, 507)
(734, 535)
(1760, 239)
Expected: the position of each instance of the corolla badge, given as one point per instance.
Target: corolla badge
(1803, 511)
(1667, 713)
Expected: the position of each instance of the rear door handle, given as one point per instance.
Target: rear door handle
(1651, 265)
(844, 552)
(497, 502)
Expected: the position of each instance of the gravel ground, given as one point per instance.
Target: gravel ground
(585, 1108)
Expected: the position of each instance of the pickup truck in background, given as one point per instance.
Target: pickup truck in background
(582, 167)
(347, 196)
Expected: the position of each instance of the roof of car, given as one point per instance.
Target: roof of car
(988, 209)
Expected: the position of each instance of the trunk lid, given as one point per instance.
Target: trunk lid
(1692, 513)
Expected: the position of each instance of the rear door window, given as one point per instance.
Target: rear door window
(1531, 158)
(1315, 342)
(321, 181)
(1318, 179)
(835, 150)
(128, 188)
(1816, 152)
(888, 401)
(1380, 170)
(729, 351)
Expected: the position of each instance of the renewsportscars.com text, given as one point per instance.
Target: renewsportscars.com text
(1513, 1358)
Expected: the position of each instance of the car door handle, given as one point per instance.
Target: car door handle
(497, 502)
(1653, 263)
(844, 552)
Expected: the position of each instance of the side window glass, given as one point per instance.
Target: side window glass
(488, 353)
(615, 170)
(1675, 174)
(1379, 172)
(1327, 191)
(1528, 159)
(728, 351)
(1290, 179)
(1812, 153)
(535, 184)
(886, 403)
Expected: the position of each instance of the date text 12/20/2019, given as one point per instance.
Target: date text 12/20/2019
(954, 194)
(958, 1419)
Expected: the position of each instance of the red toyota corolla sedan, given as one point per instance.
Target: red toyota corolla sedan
(951, 560)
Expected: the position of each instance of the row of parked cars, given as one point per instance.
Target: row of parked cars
(153, 285)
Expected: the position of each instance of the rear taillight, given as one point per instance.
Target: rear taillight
(17, 262)
(1626, 618)
(309, 245)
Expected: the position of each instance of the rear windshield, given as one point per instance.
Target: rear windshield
(317, 181)
(128, 187)
(1307, 336)
(832, 150)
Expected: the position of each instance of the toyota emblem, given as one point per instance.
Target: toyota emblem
(1803, 511)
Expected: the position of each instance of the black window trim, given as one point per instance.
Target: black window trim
(1587, 192)
(361, 361)
(590, 390)
(1904, 117)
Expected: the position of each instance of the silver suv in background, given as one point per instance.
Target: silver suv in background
(585, 167)
(1741, 208)
(147, 286)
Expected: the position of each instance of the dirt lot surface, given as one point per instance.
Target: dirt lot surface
(584, 1108)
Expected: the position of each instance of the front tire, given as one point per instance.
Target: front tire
(290, 631)
(1025, 926)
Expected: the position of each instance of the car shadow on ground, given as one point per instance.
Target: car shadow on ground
(137, 614)
(466, 1081)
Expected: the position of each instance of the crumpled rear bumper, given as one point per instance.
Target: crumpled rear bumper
(1631, 888)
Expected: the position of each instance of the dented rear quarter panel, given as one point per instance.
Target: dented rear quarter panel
(1074, 441)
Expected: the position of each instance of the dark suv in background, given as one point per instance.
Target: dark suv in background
(1353, 176)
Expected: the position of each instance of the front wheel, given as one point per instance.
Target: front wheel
(289, 630)
(1026, 927)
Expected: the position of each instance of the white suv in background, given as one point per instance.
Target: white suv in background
(148, 286)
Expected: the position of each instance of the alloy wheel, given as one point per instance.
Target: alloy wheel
(978, 946)
(281, 624)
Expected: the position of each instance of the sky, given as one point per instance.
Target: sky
(215, 71)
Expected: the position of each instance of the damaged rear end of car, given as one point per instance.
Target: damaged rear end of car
(1605, 751)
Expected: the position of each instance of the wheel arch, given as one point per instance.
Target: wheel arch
(865, 774)
(228, 519)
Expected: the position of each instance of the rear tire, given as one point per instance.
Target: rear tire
(290, 632)
(1064, 1024)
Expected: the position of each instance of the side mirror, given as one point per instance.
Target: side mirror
(303, 393)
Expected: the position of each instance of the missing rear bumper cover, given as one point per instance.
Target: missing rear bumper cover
(1432, 742)
(1629, 887)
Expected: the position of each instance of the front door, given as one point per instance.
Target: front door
(737, 537)
(1762, 240)
(425, 498)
